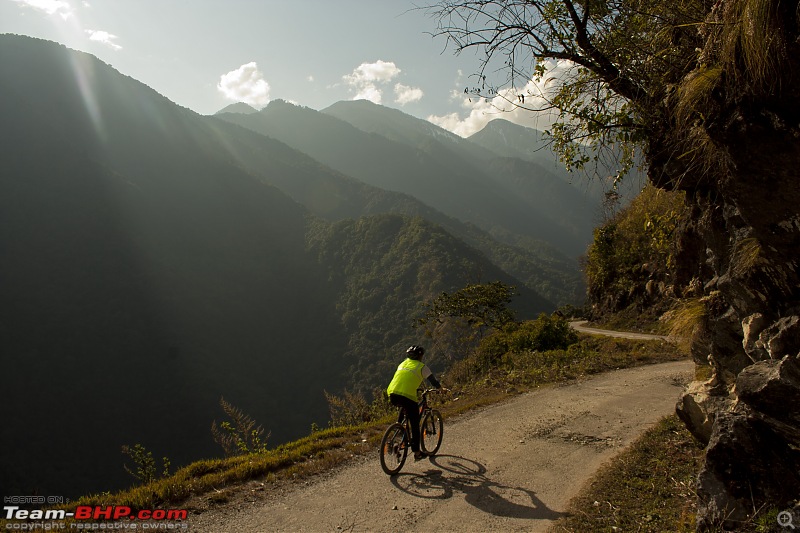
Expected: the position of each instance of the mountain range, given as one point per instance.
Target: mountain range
(386, 148)
(153, 260)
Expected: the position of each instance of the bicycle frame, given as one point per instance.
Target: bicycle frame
(396, 440)
(422, 405)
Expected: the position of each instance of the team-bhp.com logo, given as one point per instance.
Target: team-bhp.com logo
(123, 516)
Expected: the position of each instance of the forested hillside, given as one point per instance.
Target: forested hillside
(384, 268)
(527, 241)
(149, 266)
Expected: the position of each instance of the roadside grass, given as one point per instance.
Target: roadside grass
(592, 354)
(635, 319)
(475, 383)
(650, 487)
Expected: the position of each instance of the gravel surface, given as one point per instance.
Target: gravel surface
(509, 467)
(579, 326)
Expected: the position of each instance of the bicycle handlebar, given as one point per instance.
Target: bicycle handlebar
(428, 391)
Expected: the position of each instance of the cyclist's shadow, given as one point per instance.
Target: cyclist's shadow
(460, 475)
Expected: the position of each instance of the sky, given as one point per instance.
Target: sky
(207, 54)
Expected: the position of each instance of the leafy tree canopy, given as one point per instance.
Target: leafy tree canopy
(626, 69)
(481, 305)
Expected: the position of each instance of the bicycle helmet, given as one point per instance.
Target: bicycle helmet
(415, 352)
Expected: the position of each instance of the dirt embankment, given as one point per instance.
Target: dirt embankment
(509, 467)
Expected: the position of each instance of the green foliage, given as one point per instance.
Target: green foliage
(456, 322)
(352, 409)
(547, 332)
(526, 368)
(239, 435)
(481, 306)
(145, 470)
(381, 269)
(636, 246)
(601, 67)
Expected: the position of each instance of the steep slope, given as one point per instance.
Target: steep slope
(378, 162)
(462, 178)
(148, 268)
(512, 140)
(143, 276)
(377, 262)
(507, 139)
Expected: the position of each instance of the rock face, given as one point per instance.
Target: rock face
(752, 449)
(742, 244)
(748, 413)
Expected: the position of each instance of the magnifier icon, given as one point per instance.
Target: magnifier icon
(785, 519)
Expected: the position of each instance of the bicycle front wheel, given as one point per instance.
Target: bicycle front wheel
(394, 449)
(432, 431)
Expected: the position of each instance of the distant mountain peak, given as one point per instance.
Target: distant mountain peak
(509, 139)
(503, 126)
(239, 108)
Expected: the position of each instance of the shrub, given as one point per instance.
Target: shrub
(240, 435)
(636, 246)
(352, 408)
(544, 333)
(145, 470)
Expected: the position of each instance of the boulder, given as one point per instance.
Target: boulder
(782, 337)
(772, 388)
(753, 453)
(752, 326)
(698, 406)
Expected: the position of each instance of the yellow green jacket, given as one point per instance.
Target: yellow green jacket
(409, 376)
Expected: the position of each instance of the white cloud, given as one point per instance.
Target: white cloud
(369, 92)
(405, 94)
(526, 106)
(310, 78)
(245, 84)
(51, 7)
(366, 78)
(103, 37)
(380, 71)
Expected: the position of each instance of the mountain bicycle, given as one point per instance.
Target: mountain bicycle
(396, 441)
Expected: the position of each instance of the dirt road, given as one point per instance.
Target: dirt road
(579, 326)
(508, 467)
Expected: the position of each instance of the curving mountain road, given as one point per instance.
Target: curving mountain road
(579, 326)
(508, 467)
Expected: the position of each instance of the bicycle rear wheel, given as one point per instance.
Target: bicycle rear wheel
(432, 430)
(394, 448)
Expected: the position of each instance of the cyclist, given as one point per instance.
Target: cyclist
(403, 391)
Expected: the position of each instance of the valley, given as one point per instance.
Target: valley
(156, 260)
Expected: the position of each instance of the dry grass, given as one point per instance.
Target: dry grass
(694, 94)
(650, 487)
(745, 256)
(686, 320)
(753, 45)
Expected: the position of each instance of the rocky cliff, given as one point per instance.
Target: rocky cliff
(739, 258)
